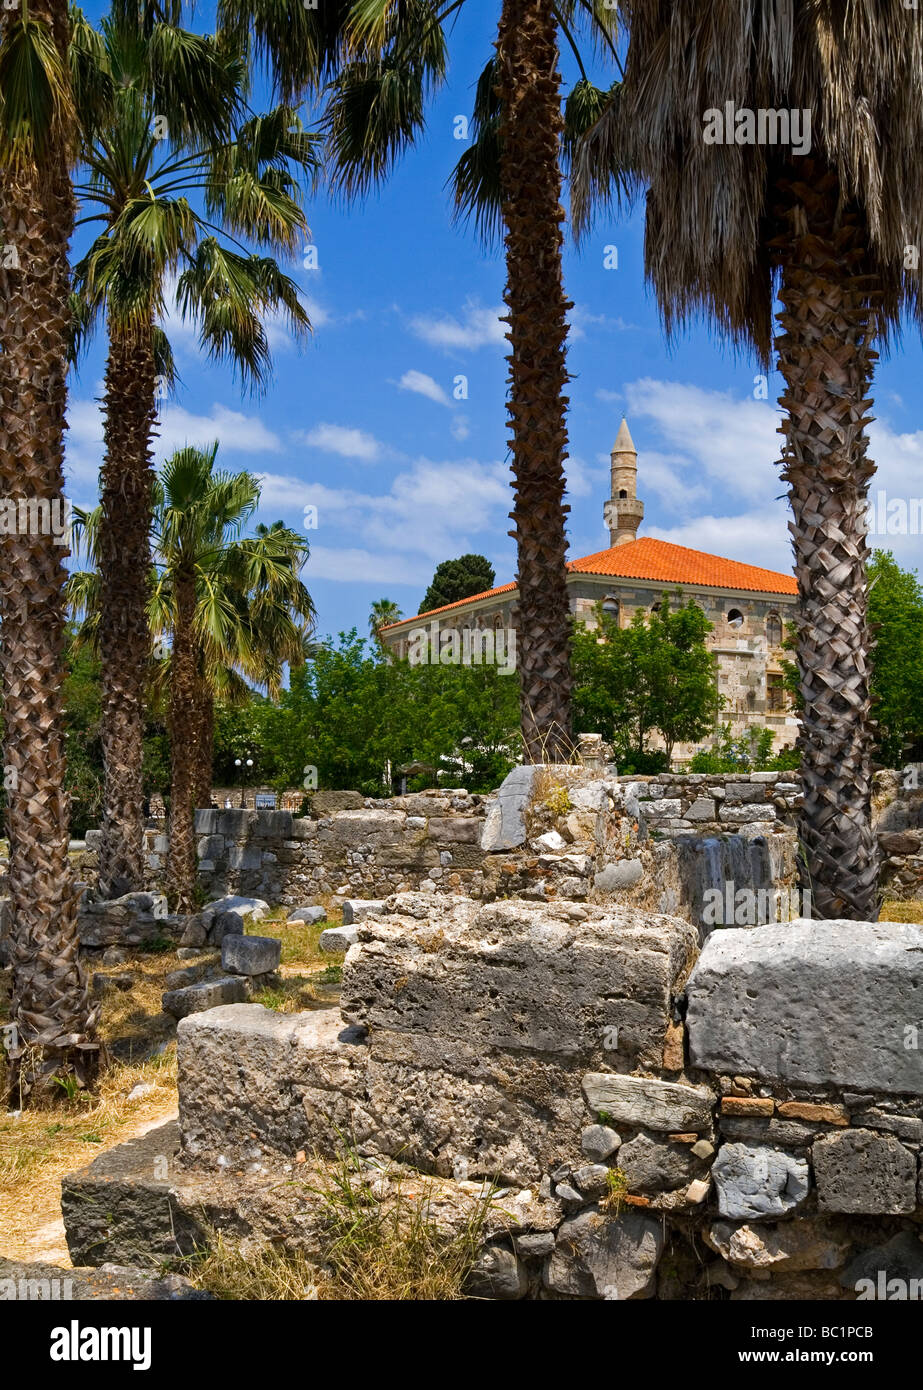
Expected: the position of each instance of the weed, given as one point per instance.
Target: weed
(616, 1191)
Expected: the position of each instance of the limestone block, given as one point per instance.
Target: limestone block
(250, 955)
(623, 874)
(665, 1106)
(308, 913)
(754, 1183)
(859, 1171)
(208, 994)
(652, 1165)
(358, 909)
(810, 1003)
(793, 1245)
(291, 1080)
(597, 1256)
(338, 938)
(504, 827)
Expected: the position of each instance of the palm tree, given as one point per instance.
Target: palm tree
(251, 616)
(392, 56)
(162, 117)
(382, 612)
(835, 233)
(50, 1003)
(235, 608)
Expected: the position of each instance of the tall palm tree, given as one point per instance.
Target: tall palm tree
(251, 615)
(162, 116)
(382, 612)
(391, 57)
(50, 1004)
(835, 233)
(235, 608)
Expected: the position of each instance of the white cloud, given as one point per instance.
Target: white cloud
(478, 327)
(460, 428)
(357, 566)
(757, 537)
(730, 441)
(344, 440)
(235, 432)
(424, 385)
(431, 509)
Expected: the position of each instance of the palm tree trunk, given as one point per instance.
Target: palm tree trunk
(50, 1003)
(202, 773)
(184, 748)
(528, 88)
(826, 357)
(124, 635)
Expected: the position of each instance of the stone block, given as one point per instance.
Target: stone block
(652, 1165)
(743, 815)
(328, 803)
(504, 827)
(208, 994)
(756, 1183)
(793, 1245)
(206, 821)
(861, 1172)
(479, 1017)
(358, 909)
(596, 1256)
(246, 907)
(338, 938)
(665, 1106)
(309, 913)
(623, 874)
(598, 1142)
(455, 830)
(250, 955)
(290, 1081)
(810, 1003)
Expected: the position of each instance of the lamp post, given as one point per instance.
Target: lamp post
(243, 763)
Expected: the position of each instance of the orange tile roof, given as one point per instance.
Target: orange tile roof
(660, 561)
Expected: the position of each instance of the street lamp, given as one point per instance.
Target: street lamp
(241, 763)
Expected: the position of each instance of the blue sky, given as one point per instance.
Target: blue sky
(363, 423)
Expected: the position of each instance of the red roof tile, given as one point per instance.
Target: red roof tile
(660, 561)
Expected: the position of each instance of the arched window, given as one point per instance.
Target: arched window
(498, 622)
(612, 607)
(622, 492)
(735, 617)
(655, 607)
(774, 630)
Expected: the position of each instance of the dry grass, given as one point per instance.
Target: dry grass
(44, 1142)
(894, 911)
(376, 1248)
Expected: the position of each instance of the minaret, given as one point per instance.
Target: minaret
(623, 513)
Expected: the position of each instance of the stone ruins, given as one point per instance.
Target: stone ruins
(539, 1015)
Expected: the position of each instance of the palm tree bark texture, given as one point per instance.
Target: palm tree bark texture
(185, 733)
(528, 89)
(50, 1002)
(124, 565)
(827, 324)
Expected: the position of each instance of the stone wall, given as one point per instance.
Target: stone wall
(376, 848)
(759, 1116)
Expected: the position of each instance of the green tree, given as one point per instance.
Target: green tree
(162, 118)
(823, 229)
(896, 619)
(655, 676)
(350, 715)
(457, 579)
(50, 1003)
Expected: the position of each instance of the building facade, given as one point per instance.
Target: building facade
(748, 607)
